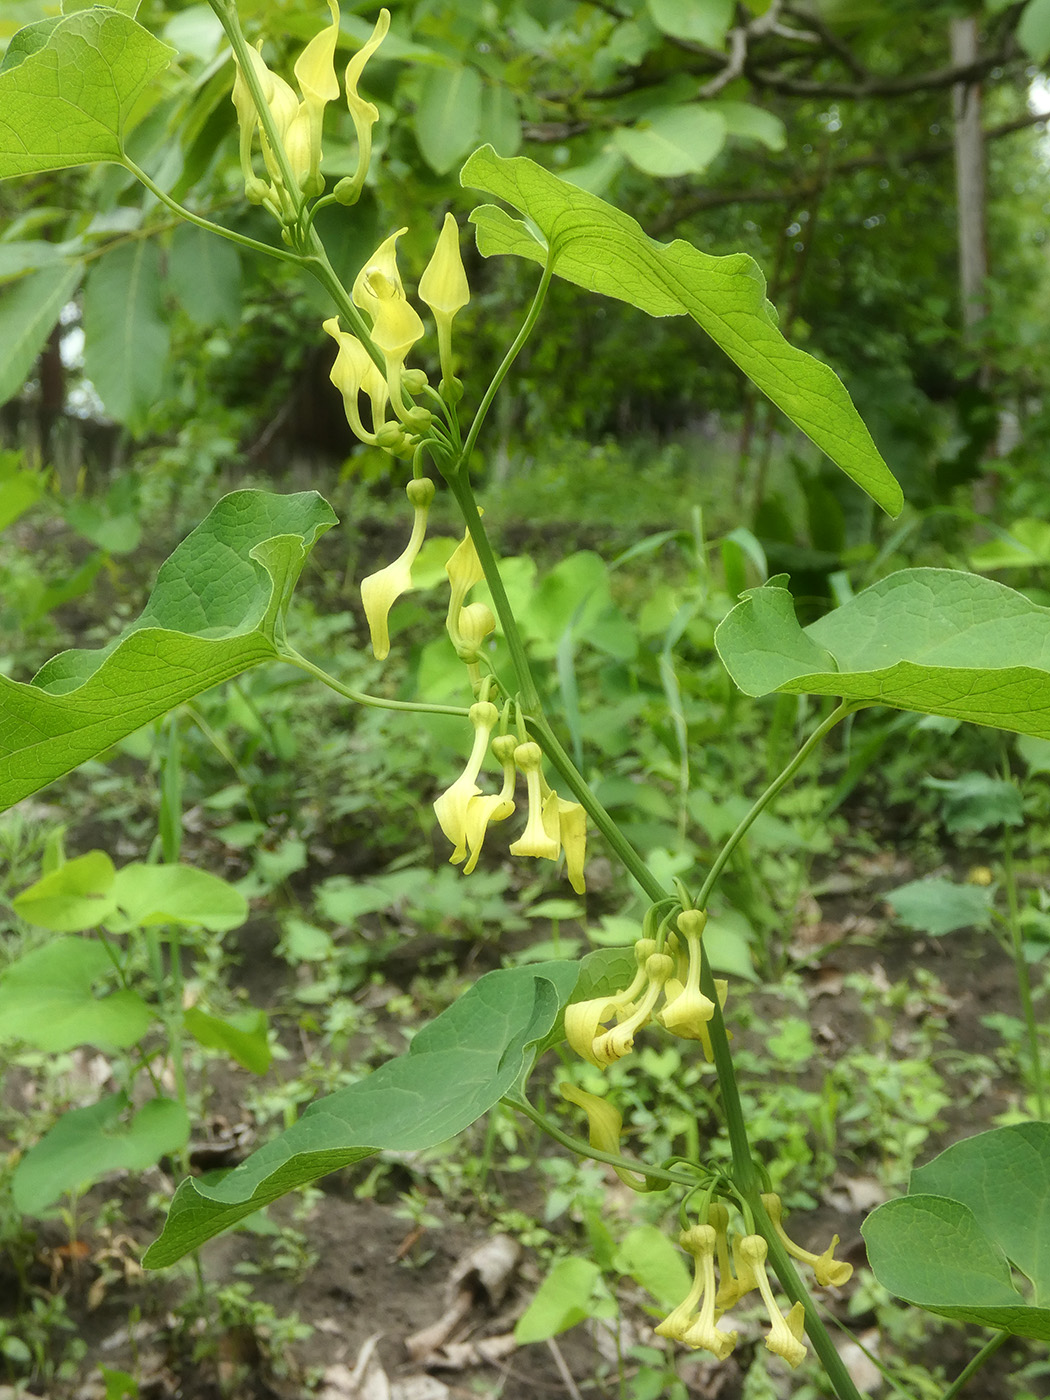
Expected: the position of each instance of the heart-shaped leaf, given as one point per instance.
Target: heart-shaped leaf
(980, 1207)
(456, 1069)
(176, 894)
(47, 1000)
(216, 610)
(68, 91)
(86, 1143)
(598, 247)
(243, 1036)
(940, 641)
(77, 895)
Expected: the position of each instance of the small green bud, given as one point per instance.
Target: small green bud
(418, 420)
(347, 191)
(692, 922)
(391, 436)
(255, 190)
(414, 381)
(451, 390)
(420, 492)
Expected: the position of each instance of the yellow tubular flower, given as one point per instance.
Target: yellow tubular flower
(619, 1041)
(443, 287)
(826, 1268)
(284, 107)
(572, 833)
(476, 622)
(464, 571)
(383, 261)
(365, 114)
(698, 1329)
(381, 590)
(379, 291)
(718, 1219)
(352, 374)
(604, 1124)
(583, 1018)
(481, 811)
(315, 74)
(247, 116)
(687, 1011)
(786, 1333)
(451, 807)
(503, 747)
(535, 840)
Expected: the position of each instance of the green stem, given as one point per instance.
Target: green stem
(574, 780)
(175, 1030)
(989, 1349)
(1024, 983)
(315, 260)
(245, 242)
(508, 359)
(797, 1292)
(226, 13)
(844, 708)
(528, 694)
(584, 1149)
(293, 658)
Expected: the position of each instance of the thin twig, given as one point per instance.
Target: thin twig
(563, 1370)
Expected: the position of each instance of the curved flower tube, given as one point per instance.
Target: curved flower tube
(353, 374)
(786, 1332)
(685, 1324)
(604, 1126)
(381, 590)
(826, 1268)
(451, 807)
(536, 840)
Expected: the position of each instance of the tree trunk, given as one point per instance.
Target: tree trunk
(969, 180)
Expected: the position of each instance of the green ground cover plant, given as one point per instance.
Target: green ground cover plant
(966, 1241)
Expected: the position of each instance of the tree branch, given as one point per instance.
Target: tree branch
(797, 194)
(883, 87)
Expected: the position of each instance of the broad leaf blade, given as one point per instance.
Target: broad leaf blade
(598, 247)
(28, 311)
(447, 115)
(77, 895)
(456, 1069)
(126, 335)
(87, 1143)
(214, 612)
(673, 141)
(1003, 1176)
(562, 1300)
(177, 894)
(939, 641)
(244, 1037)
(931, 1251)
(46, 1000)
(980, 1206)
(68, 100)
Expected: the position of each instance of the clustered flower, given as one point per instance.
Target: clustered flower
(741, 1269)
(372, 367)
(552, 825)
(298, 120)
(395, 327)
(674, 974)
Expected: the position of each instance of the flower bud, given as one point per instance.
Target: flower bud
(365, 114)
(381, 590)
(443, 287)
(414, 381)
